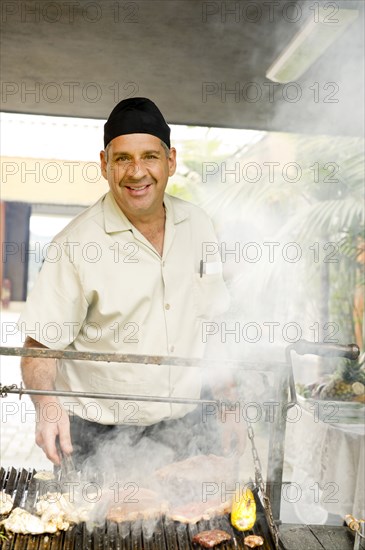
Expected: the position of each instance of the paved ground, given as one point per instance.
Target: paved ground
(17, 446)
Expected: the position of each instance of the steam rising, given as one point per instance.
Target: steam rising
(131, 478)
(277, 299)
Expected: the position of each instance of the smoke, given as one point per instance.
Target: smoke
(133, 476)
(273, 204)
(281, 225)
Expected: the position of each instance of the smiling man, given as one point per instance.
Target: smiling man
(137, 167)
(128, 279)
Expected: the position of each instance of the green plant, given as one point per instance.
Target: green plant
(322, 211)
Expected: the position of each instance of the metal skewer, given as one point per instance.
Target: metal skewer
(13, 388)
(47, 353)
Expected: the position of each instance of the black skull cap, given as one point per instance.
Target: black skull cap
(136, 115)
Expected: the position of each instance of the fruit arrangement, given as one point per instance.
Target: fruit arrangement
(346, 384)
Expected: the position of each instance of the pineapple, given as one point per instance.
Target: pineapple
(337, 390)
(347, 384)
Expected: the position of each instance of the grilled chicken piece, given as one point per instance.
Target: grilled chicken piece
(252, 541)
(6, 503)
(44, 475)
(209, 539)
(55, 512)
(59, 507)
(21, 521)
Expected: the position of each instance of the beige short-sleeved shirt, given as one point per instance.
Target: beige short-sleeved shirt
(104, 288)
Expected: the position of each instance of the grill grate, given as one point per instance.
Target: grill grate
(138, 535)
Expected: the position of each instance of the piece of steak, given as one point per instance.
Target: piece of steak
(209, 539)
(143, 504)
(192, 512)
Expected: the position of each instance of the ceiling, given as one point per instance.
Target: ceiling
(78, 58)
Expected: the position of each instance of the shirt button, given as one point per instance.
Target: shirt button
(172, 349)
(163, 264)
(167, 306)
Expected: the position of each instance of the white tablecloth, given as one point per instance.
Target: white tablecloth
(327, 461)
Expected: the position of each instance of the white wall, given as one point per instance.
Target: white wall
(51, 181)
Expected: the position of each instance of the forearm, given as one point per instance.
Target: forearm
(37, 373)
(40, 374)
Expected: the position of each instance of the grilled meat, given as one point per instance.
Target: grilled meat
(44, 475)
(193, 512)
(55, 512)
(6, 503)
(61, 506)
(21, 521)
(252, 541)
(209, 539)
(144, 504)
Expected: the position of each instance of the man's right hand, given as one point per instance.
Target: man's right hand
(52, 424)
(52, 420)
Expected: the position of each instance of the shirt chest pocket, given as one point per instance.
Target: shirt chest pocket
(211, 296)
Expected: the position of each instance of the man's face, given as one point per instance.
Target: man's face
(137, 170)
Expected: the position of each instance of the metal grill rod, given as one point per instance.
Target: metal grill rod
(4, 390)
(47, 353)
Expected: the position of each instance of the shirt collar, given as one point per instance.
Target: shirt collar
(175, 208)
(116, 220)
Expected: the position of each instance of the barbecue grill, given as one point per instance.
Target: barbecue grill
(166, 534)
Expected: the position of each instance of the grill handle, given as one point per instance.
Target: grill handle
(350, 351)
